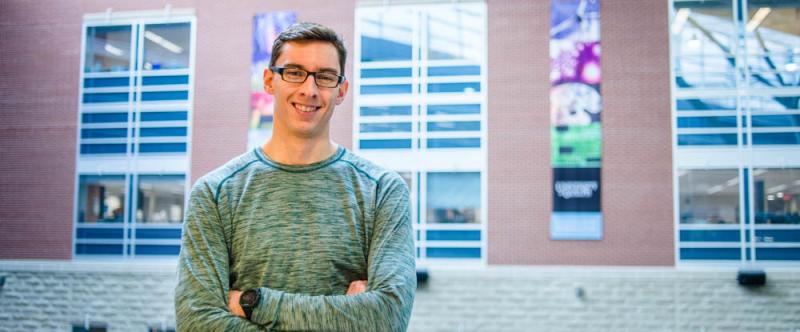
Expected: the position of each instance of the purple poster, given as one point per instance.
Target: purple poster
(575, 109)
(266, 28)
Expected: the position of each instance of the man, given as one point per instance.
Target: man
(299, 234)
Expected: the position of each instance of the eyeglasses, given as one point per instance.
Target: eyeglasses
(297, 75)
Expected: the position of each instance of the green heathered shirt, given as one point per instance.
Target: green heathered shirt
(301, 234)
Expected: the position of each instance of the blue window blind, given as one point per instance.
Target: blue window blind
(776, 138)
(98, 249)
(385, 89)
(165, 116)
(454, 142)
(453, 235)
(454, 109)
(385, 110)
(92, 98)
(454, 87)
(105, 82)
(707, 139)
(453, 252)
(163, 131)
(707, 122)
(710, 253)
(104, 133)
(162, 147)
(385, 144)
(454, 70)
(102, 148)
(165, 80)
(386, 72)
(709, 235)
(104, 117)
(144, 249)
(165, 95)
(455, 126)
(385, 127)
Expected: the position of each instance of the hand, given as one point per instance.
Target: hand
(357, 287)
(233, 303)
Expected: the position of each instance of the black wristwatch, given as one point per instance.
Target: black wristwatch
(249, 300)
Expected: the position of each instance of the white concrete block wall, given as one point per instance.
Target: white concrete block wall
(51, 296)
(615, 299)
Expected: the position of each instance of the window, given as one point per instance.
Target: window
(420, 87)
(454, 198)
(101, 199)
(736, 92)
(134, 130)
(709, 197)
(160, 199)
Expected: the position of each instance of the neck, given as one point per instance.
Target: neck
(298, 151)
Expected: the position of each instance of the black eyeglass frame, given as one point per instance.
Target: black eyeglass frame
(279, 71)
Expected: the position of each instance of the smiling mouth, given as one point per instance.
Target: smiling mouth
(305, 108)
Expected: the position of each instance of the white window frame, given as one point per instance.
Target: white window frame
(132, 164)
(418, 161)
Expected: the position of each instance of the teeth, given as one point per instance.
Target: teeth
(305, 108)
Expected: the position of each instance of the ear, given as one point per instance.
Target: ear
(342, 92)
(268, 75)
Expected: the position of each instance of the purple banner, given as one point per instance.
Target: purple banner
(266, 28)
(575, 109)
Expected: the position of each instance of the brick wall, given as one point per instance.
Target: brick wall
(132, 296)
(636, 171)
(39, 67)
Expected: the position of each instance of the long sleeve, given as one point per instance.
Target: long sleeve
(385, 306)
(201, 294)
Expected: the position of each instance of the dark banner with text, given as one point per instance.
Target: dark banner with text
(575, 109)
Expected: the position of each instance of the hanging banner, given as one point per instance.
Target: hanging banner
(266, 28)
(575, 108)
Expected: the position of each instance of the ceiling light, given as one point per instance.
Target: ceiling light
(732, 182)
(694, 43)
(777, 188)
(153, 37)
(714, 189)
(113, 50)
(759, 17)
(680, 20)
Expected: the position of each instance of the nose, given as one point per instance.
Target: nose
(309, 88)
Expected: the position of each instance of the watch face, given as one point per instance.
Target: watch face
(248, 298)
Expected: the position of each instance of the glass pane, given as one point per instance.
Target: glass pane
(704, 40)
(455, 33)
(454, 197)
(108, 49)
(101, 198)
(773, 103)
(386, 34)
(160, 199)
(773, 44)
(776, 195)
(709, 196)
(166, 46)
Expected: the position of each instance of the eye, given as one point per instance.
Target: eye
(294, 73)
(327, 78)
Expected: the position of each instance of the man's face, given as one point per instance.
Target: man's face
(303, 109)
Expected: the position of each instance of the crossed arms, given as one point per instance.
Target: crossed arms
(204, 301)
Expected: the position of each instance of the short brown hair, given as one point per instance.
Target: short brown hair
(305, 32)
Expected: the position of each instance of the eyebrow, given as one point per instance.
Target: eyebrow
(326, 69)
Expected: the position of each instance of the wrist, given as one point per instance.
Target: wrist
(249, 300)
